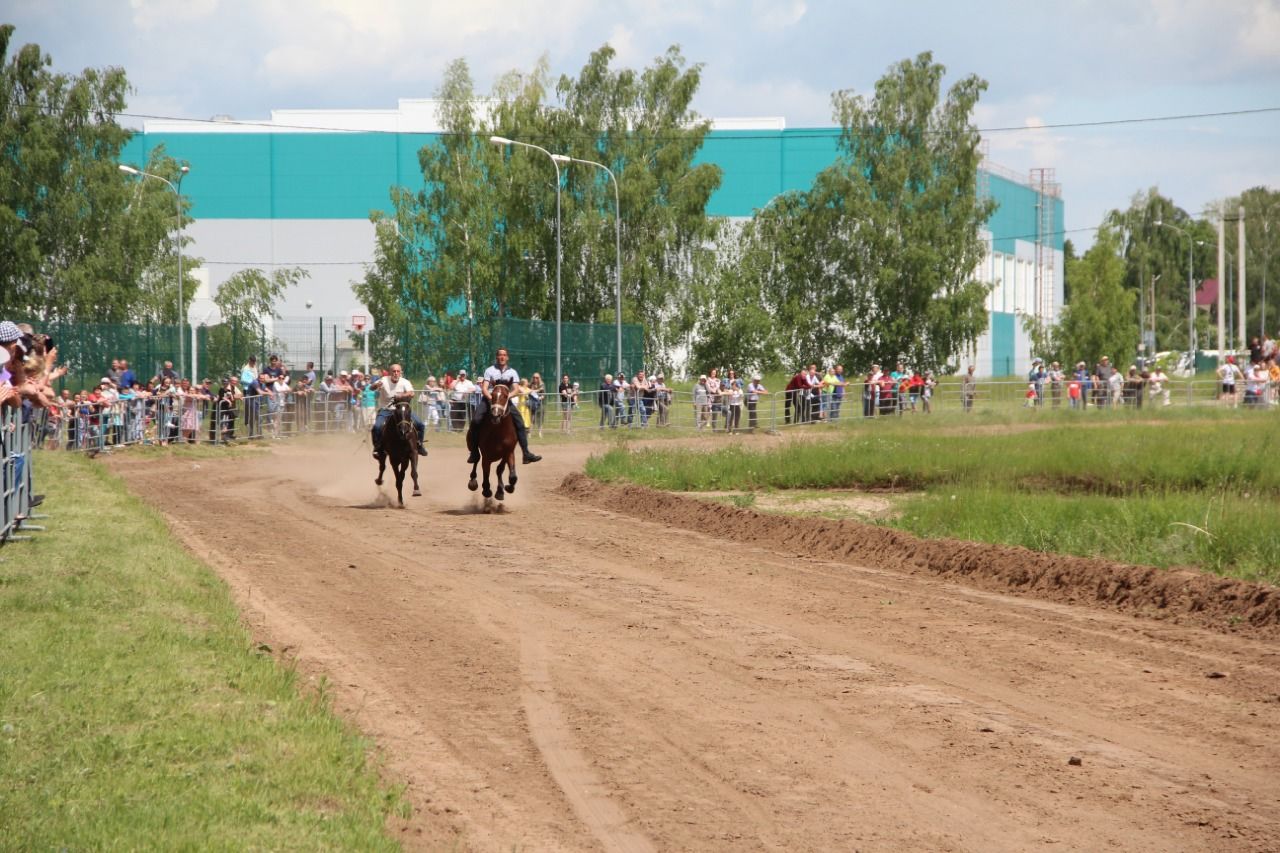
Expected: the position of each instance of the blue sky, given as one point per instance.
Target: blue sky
(1069, 61)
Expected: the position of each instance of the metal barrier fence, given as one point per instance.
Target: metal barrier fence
(685, 410)
(16, 443)
(190, 420)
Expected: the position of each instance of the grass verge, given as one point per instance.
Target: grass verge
(1186, 493)
(136, 712)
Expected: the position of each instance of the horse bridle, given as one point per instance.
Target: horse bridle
(497, 411)
(404, 421)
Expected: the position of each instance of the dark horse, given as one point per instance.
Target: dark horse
(400, 443)
(496, 438)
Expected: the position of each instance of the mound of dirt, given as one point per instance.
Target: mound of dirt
(1186, 596)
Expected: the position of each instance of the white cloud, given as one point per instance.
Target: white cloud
(152, 14)
(777, 14)
(1259, 37)
(623, 40)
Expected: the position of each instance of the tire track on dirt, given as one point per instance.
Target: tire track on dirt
(582, 677)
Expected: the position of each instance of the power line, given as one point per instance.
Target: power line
(796, 133)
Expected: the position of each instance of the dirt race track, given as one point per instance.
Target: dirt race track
(563, 676)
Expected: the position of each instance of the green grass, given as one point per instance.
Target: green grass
(135, 711)
(1191, 491)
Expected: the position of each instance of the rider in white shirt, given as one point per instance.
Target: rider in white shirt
(499, 373)
(393, 388)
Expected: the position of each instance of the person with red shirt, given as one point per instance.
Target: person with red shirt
(794, 395)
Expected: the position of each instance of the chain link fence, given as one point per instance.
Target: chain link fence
(588, 349)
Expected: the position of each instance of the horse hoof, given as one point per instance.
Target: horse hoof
(500, 495)
(473, 485)
(377, 482)
(417, 493)
(488, 493)
(511, 487)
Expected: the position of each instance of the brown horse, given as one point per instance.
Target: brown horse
(400, 443)
(496, 438)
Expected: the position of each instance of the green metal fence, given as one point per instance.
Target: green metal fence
(588, 350)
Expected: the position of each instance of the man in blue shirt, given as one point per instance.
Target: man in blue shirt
(126, 375)
(499, 373)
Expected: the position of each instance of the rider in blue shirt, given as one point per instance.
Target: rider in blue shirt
(499, 373)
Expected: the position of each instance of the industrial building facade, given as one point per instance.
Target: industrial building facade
(298, 190)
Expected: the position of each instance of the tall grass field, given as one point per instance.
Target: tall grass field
(1183, 492)
(135, 711)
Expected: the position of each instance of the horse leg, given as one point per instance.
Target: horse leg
(382, 465)
(398, 466)
(501, 492)
(413, 467)
(471, 484)
(486, 491)
(511, 469)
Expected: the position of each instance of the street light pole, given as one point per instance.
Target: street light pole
(617, 248)
(556, 160)
(1191, 293)
(177, 196)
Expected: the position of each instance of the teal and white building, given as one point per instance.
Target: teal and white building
(297, 190)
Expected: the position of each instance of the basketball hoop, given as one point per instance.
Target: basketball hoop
(359, 321)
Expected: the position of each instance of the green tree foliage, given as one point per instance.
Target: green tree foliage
(877, 259)
(1101, 318)
(1157, 251)
(479, 239)
(1262, 243)
(246, 301)
(78, 238)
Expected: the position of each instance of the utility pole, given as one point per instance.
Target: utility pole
(1240, 255)
(1223, 295)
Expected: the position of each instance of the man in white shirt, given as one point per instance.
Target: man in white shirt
(394, 388)
(499, 373)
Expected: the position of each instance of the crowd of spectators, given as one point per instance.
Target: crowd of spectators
(640, 401)
(445, 404)
(126, 408)
(28, 369)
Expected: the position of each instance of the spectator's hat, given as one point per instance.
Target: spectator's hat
(343, 373)
(356, 373)
(462, 373)
(1231, 359)
(9, 332)
(659, 376)
(702, 378)
(431, 379)
(755, 377)
(106, 380)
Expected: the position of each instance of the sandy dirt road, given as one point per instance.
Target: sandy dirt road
(561, 677)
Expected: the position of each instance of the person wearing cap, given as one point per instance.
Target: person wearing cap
(1229, 373)
(499, 373)
(755, 388)
(394, 388)
(662, 399)
(460, 400)
(606, 397)
(432, 397)
(702, 402)
(1036, 378)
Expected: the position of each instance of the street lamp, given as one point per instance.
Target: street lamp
(177, 195)
(556, 160)
(617, 221)
(1191, 292)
